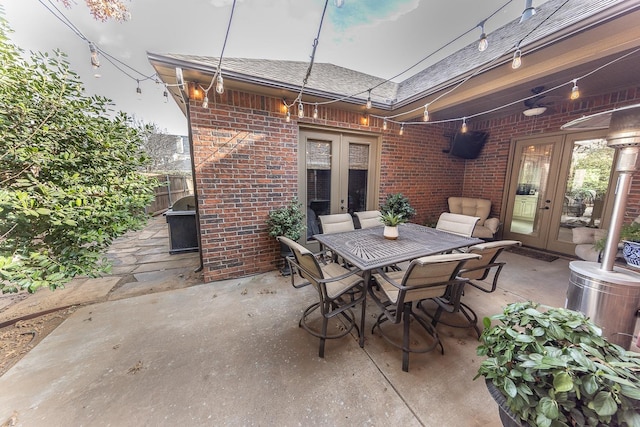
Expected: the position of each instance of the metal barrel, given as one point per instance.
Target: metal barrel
(609, 298)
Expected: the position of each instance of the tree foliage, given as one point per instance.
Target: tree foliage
(69, 180)
(162, 149)
(104, 10)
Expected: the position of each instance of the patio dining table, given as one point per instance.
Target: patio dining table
(367, 249)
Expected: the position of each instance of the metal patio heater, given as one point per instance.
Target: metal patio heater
(610, 294)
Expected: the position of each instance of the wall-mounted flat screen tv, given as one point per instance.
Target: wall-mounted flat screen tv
(468, 145)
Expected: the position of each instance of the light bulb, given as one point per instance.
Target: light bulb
(369, 101)
(483, 44)
(338, 3)
(300, 110)
(425, 116)
(401, 129)
(463, 129)
(139, 91)
(220, 85)
(95, 60)
(384, 124)
(315, 111)
(575, 92)
(288, 116)
(517, 59)
(205, 101)
(166, 96)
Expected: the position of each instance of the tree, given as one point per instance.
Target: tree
(162, 149)
(69, 174)
(105, 9)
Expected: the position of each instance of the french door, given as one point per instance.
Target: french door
(338, 173)
(558, 183)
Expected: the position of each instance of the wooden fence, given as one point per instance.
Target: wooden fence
(172, 188)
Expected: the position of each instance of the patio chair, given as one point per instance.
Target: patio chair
(426, 277)
(475, 270)
(336, 223)
(461, 225)
(368, 219)
(339, 290)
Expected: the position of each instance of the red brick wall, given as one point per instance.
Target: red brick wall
(246, 165)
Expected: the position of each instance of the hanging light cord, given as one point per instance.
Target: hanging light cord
(316, 41)
(224, 44)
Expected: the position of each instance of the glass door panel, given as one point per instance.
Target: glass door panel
(584, 191)
(533, 182)
(337, 174)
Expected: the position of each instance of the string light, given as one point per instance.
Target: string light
(384, 124)
(483, 44)
(463, 129)
(338, 3)
(166, 96)
(138, 90)
(575, 92)
(288, 116)
(517, 59)
(369, 100)
(425, 116)
(205, 101)
(220, 85)
(401, 129)
(315, 111)
(300, 110)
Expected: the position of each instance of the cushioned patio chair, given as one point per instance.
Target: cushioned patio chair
(336, 223)
(339, 290)
(368, 219)
(462, 225)
(476, 271)
(397, 291)
(486, 228)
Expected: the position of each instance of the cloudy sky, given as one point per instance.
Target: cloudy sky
(378, 37)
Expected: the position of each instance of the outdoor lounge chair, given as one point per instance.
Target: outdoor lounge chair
(427, 277)
(475, 270)
(339, 290)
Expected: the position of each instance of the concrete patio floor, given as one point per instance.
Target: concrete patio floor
(231, 353)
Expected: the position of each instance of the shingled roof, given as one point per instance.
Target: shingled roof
(558, 18)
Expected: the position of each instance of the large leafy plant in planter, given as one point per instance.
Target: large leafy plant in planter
(398, 204)
(555, 369)
(287, 220)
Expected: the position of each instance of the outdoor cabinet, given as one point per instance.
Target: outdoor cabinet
(183, 233)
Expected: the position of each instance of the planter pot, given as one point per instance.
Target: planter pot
(631, 253)
(285, 251)
(390, 232)
(508, 418)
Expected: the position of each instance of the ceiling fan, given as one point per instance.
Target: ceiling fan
(537, 104)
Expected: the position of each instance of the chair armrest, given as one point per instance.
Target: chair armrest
(492, 224)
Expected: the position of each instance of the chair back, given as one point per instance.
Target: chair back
(461, 225)
(369, 219)
(470, 206)
(336, 223)
(428, 277)
(309, 268)
(478, 269)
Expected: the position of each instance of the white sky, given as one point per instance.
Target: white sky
(378, 37)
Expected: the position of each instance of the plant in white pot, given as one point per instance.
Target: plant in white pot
(551, 367)
(391, 220)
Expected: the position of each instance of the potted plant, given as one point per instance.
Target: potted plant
(391, 220)
(398, 204)
(630, 237)
(552, 367)
(286, 221)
